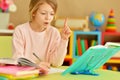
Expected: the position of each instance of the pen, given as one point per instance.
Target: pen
(37, 57)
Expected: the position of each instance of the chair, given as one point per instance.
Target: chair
(5, 46)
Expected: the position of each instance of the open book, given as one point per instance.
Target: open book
(93, 59)
(19, 61)
(112, 44)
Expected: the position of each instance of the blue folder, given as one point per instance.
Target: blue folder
(91, 60)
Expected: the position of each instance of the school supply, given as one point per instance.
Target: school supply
(20, 61)
(11, 77)
(55, 70)
(91, 60)
(13, 71)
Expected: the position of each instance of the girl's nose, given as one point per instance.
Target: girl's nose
(48, 16)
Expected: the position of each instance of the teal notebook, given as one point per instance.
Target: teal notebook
(91, 60)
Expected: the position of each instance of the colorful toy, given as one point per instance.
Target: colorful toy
(97, 20)
(111, 27)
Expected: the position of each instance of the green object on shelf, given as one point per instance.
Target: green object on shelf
(76, 53)
(91, 60)
(83, 45)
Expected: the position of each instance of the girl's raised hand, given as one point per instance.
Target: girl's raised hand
(66, 31)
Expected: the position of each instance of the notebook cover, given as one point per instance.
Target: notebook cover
(18, 70)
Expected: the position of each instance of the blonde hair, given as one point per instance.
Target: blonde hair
(34, 5)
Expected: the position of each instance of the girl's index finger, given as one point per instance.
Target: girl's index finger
(65, 22)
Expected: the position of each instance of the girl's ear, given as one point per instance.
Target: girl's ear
(33, 14)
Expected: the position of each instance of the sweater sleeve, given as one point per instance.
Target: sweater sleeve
(58, 51)
(17, 44)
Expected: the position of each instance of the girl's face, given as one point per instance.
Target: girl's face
(44, 15)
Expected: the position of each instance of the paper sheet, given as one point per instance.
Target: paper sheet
(55, 70)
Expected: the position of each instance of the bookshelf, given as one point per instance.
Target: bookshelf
(68, 59)
(6, 32)
(89, 37)
(100, 38)
(114, 62)
(110, 37)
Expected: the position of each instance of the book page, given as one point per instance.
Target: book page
(26, 62)
(55, 70)
(8, 61)
(114, 44)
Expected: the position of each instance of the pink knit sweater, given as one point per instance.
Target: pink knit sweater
(47, 45)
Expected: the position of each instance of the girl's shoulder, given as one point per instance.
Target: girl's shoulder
(22, 27)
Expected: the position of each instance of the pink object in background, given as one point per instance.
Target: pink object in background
(3, 5)
(7, 6)
(10, 2)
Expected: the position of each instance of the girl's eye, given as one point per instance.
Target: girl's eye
(43, 13)
(52, 14)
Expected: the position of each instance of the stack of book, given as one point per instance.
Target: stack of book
(12, 70)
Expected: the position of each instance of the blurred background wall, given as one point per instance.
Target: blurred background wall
(71, 8)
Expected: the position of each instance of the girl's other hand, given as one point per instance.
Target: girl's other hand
(44, 68)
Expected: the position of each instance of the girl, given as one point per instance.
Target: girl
(39, 37)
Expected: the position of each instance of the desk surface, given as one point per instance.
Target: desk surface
(103, 75)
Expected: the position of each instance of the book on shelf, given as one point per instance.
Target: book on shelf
(93, 42)
(81, 46)
(86, 44)
(82, 42)
(76, 49)
(79, 49)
